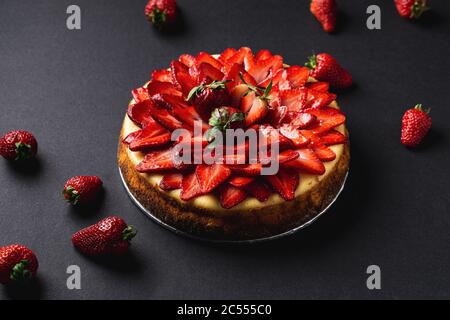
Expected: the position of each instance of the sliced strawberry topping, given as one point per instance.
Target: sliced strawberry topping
(240, 181)
(153, 135)
(297, 76)
(332, 137)
(260, 70)
(294, 135)
(287, 155)
(307, 162)
(234, 76)
(187, 59)
(183, 111)
(156, 87)
(285, 182)
(328, 118)
(227, 54)
(208, 73)
(319, 86)
(259, 190)
(239, 57)
(190, 188)
(162, 75)
(301, 120)
(211, 176)
(140, 113)
(140, 94)
(257, 111)
(294, 99)
(171, 181)
(156, 161)
(246, 169)
(317, 99)
(164, 117)
(237, 93)
(129, 138)
(323, 152)
(230, 196)
(209, 59)
(176, 67)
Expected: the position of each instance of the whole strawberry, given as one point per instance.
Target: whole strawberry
(325, 12)
(82, 189)
(18, 145)
(207, 97)
(324, 67)
(411, 9)
(416, 123)
(161, 12)
(17, 263)
(108, 236)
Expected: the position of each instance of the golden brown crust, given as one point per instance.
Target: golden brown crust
(240, 225)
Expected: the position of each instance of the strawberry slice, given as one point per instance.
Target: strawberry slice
(257, 111)
(237, 93)
(186, 83)
(239, 57)
(187, 59)
(247, 101)
(176, 67)
(272, 136)
(323, 152)
(260, 70)
(294, 99)
(230, 196)
(171, 181)
(157, 87)
(285, 182)
(227, 54)
(140, 113)
(190, 188)
(318, 86)
(263, 54)
(211, 176)
(208, 73)
(276, 116)
(153, 135)
(294, 135)
(306, 162)
(328, 118)
(234, 78)
(184, 112)
(130, 137)
(297, 76)
(317, 99)
(246, 169)
(240, 181)
(164, 117)
(204, 57)
(156, 161)
(286, 156)
(140, 94)
(162, 75)
(259, 190)
(301, 120)
(332, 137)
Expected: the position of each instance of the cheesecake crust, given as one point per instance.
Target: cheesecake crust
(249, 224)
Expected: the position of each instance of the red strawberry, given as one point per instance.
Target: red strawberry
(257, 111)
(183, 112)
(190, 187)
(17, 263)
(259, 190)
(140, 94)
(240, 181)
(234, 77)
(294, 135)
(317, 99)
(110, 236)
(171, 181)
(157, 87)
(294, 99)
(301, 120)
(323, 152)
(297, 76)
(153, 135)
(162, 75)
(156, 161)
(211, 176)
(204, 57)
(187, 59)
(307, 162)
(327, 118)
(416, 123)
(325, 12)
(411, 9)
(261, 69)
(129, 138)
(324, 67)
(208, 73)
(332, 137)
(161, 12)
(285, 182)
(82, 189)
(318, 86)
(208, 97)
(18, 145)
(140, 113)
(159, 110)
(227, 54)
(246, 169)
(230, 196)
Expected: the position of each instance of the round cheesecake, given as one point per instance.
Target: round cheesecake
(249, 218)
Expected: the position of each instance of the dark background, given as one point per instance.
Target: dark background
(71, 89)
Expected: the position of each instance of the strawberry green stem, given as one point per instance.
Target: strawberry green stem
(71, 195)
(23, 151)
(420, 108)
(418, 8)
(158, 17)
(20, 272)
(129, 233)
(312, 62)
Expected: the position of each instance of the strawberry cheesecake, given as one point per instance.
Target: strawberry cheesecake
(234, 199)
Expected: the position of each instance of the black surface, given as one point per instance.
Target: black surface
(71, 89)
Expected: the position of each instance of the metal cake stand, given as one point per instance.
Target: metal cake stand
(191, 236)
